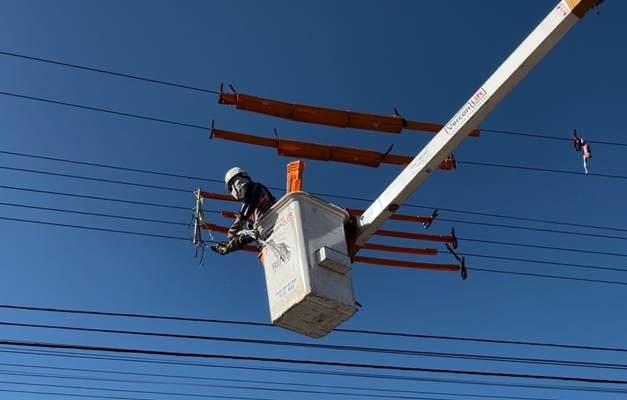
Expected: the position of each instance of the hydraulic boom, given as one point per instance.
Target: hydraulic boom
(559, 21)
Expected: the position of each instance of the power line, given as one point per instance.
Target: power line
(112, 181)
(206, 396)
(82, 196)
(341, 330)
(188, 239)
(102, 71)
(535, 246)
(298, 361)
(555, 171)
(415, 353)
(220, 181)
(52, 353)
(532, 135)
(249, 381)
(194, 88)
(92, 179)
(88, 396)
(61, 103)
(176, 223)
(271, 389)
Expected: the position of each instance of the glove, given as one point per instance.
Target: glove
(221, 248)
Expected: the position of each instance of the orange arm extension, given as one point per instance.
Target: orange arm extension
(322, 152)
(420, 236)
(216, 196)
(327, 116)
(389, 263)
(395, 217)
(368, 246)
(407, 264)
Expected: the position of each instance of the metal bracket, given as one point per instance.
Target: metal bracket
(595, 5)
(213, 121)
(452, 158)
(387, 152)
(433, 216)
(462, 263)
(454, 243)
(397, 115)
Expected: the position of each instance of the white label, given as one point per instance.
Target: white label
(466, 112)
(286, 289)
(420, 160)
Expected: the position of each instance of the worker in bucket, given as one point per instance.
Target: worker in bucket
(256, 201)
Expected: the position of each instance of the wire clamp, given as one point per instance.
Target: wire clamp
(433, 216)
(462, 262)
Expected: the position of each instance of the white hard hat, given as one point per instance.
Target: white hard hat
(232, 173)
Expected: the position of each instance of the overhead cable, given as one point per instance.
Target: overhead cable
(195, 88)
(299, 361)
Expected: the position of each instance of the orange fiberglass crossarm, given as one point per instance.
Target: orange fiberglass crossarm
(452, 239)
(394, 263)
(369, 246)
(327, 116)
(324, 152)
(426, 221)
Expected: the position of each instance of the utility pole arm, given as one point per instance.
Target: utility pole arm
(559, 21)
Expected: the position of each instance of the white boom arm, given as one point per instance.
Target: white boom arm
(490, 94)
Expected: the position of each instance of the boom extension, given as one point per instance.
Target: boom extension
(326, 116)
(324, 152)
(554, 26)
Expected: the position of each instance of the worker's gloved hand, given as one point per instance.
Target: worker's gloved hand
(221, 248)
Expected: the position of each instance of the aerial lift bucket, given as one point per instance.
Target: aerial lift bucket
(307, 266)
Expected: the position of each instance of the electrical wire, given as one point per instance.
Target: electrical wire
(341, 330)
(378, 350)
(265, 382)
(88, 396)
(102, 110)
(194, 88)
(313, 372)
(257, 388)
(102, 71)
(307, 362)
(219, 181)
(524, 168)
(205, 396)
(112, 181)
(207, 211)
(189, 239)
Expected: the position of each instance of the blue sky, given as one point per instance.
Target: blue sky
(423, 58)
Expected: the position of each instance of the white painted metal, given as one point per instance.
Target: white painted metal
(304, 296)
(481, 103)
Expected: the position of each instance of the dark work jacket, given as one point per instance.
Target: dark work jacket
(256, 200)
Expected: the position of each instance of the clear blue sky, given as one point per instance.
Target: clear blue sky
(423, 58)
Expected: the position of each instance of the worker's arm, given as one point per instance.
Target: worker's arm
(247, 198)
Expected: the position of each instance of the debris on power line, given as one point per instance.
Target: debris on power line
(580, 144)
